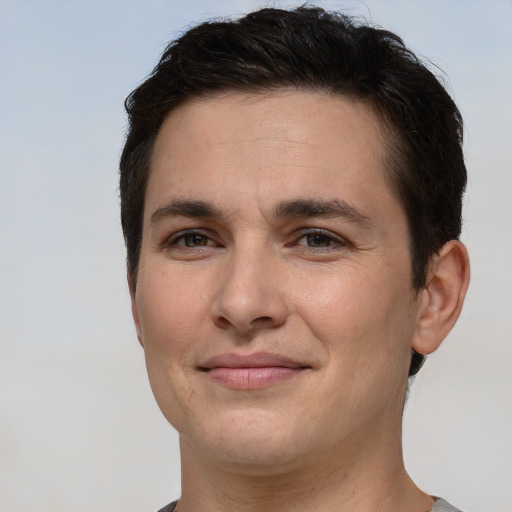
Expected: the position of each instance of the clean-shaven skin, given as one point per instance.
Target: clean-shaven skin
(275, 305)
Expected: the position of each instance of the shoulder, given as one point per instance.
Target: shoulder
(169, 508)
(442, 506)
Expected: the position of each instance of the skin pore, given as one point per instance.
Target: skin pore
(275, 307)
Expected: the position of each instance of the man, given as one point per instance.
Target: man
(291, 190)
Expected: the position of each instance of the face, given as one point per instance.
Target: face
(274, 298)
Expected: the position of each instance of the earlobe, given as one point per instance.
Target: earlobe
(135, 310)
(440, 303)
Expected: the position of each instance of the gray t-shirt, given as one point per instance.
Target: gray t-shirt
(442, 506)
(439, 506)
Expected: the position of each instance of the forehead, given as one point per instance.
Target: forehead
(291, 142)
(271, 114)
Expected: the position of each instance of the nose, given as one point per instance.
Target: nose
(250, 296)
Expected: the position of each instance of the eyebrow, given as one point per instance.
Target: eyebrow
(185, 208)
(294, 208)
(320, 208)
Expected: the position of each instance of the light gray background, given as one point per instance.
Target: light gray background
(79, 431)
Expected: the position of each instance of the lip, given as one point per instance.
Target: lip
(252, 371)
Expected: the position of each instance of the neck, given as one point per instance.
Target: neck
(366, 477)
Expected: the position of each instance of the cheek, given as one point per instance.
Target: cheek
(360, 318)
(170, 310)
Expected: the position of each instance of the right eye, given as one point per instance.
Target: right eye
(191, 239)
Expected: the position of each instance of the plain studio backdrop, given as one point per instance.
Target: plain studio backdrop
(79, 429)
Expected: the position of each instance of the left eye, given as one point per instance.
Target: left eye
(318, 240)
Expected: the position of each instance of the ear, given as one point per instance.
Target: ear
(135, 309)
(440, 302)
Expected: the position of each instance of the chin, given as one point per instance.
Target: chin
(255, 440)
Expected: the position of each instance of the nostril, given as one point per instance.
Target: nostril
(222, 322)
(264, 318)
(266, 321)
